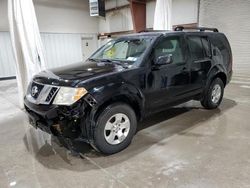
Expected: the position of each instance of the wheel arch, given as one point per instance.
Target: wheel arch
(115, 93)
(217, 72)
(222, 76)
(121, 98)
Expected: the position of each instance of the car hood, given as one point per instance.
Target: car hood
(71, 75)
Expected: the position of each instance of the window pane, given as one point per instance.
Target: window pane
(196, 47)
(123, 49)
(206, 46)
(171, 46)
(118, 51)
(137, 48)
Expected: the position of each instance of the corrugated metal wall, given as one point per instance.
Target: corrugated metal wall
(60, 49)
(233, 18)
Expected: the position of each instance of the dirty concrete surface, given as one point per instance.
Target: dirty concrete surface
(185, 146)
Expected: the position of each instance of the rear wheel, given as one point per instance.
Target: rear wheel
(214, 94)
(115, 128)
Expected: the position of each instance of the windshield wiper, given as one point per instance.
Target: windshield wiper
(106, 60)
(124, 65)
(92, 59)
(109, 61)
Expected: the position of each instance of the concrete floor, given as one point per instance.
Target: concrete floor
(185, 146)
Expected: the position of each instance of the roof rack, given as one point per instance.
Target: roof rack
(181, 28)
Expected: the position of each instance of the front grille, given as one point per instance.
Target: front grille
(41, 93)
(51, 94)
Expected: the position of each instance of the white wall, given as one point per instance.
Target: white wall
(3, 16)
(120, 20)
(7, 64)
(61, 49)
(231, 17)
(115, 3)
(58, 16)
(65, 16)
(63, 25)
(150, 11)
(184, 12)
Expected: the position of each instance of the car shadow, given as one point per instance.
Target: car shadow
(153, 130)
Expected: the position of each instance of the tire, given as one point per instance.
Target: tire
(115, 128)
(211, 98)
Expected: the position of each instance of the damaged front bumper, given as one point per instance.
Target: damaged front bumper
(70, 122)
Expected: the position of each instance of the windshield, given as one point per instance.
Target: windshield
(127, 50)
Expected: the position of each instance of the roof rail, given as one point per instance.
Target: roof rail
(181, 28)
(151, 30)
(145, 30)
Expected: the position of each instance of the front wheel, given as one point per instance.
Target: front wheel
(213, 96)
(115, 128)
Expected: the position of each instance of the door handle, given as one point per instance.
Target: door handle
(202, 61)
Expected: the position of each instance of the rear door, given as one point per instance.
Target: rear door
(200, 60)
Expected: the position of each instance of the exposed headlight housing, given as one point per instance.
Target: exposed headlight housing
(68, 95)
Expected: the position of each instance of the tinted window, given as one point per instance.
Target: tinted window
(206, 46)
(196, 47)
(222, 47)
(170, 45)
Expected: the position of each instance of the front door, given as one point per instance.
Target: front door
(170, 82)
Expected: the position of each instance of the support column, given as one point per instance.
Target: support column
(138, 12)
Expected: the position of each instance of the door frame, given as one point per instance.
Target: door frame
(186, 63)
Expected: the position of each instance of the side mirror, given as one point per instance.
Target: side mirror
(164, 60)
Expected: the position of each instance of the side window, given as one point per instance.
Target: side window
(196, 47)
(137, 48)
(206, 46)
(170, 45)
(222, 48)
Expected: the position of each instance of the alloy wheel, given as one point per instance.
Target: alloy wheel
(117, 128)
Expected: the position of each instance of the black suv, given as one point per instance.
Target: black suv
(101, 100)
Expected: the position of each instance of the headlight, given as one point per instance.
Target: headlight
(69, 95)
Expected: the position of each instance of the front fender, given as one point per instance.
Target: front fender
(106, 93)
(111, 90)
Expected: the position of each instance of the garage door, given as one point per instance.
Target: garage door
(233, 18)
